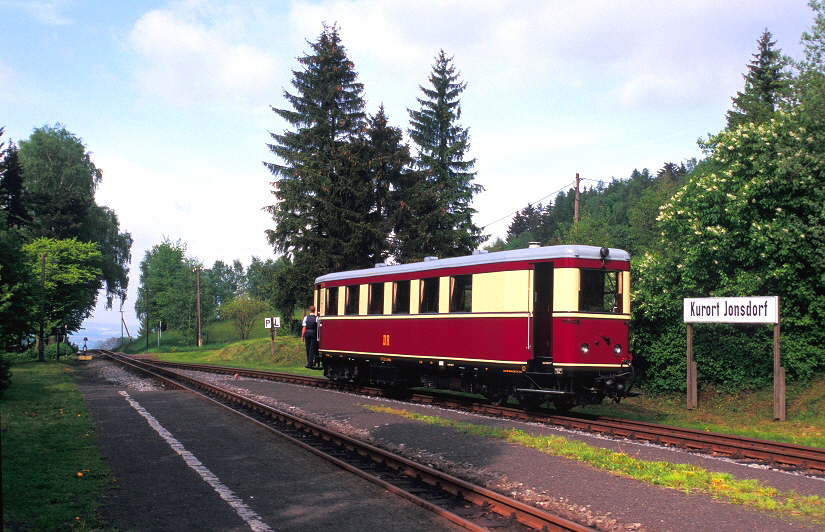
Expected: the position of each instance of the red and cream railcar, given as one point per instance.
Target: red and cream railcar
(544, 323)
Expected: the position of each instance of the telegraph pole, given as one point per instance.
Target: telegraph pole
(198, 277)
(41, 356)
(576, 204)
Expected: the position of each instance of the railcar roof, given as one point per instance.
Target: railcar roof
(528, 254)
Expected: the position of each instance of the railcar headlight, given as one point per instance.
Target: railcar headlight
(585, 348)
(617, 348)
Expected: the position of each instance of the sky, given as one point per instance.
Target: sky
(174, 98)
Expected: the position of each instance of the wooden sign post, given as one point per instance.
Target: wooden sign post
(735, 310)
(272, 324)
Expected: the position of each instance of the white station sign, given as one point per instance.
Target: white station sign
(732, 310)
(269, 323)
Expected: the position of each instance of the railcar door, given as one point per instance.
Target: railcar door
(542, 309)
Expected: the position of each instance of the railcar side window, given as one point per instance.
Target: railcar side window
(332, 302)
(401, 297)
(376, 298)
(429, 295)
(351, 306)
(461, 293)
(599, 291)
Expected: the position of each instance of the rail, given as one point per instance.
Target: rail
(431, 489)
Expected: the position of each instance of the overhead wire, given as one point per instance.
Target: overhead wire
(532, 203)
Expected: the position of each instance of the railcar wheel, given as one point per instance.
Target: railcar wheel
(530, 403)
(497, 399)
(563, 405)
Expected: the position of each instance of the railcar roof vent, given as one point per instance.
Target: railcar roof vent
(428, 259)
(534, 245)
(380, 264)
(480, 252)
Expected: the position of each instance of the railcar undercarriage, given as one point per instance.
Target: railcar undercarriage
(564, 387)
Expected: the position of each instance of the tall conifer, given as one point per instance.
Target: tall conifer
(766, 85)
(439, 205)
(313, 188)
(388, 162)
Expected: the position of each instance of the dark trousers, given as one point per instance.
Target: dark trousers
(311, 341)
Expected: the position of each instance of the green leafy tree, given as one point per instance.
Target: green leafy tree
(809, 86)
(442, 196)
(160, 270)
(315, 170)
(102, 227)
(589, 231)
(227, 282)
(814, 41)
(243, 312)
(72, 278)
(258, 278)
(767, 84)
(272, 281)
(168, 292)
(748, 222)
(18, 290)
(60, 181)
(642, 216)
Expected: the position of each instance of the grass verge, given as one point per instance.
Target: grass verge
(747, 414)
(288, 355)
(52, 467)
(685, 478)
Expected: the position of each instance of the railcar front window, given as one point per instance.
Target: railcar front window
(461, 293)
(332, 302)
(429, 295)
(352, 300)
(599, 291)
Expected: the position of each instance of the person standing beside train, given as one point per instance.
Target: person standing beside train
(309, 335)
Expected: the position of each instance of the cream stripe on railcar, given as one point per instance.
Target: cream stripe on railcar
(388, 297)
(625, 290)
(444, 294)
(591, 315)
(415, 296)
(363, 299)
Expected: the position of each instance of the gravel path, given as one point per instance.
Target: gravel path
(577, 491)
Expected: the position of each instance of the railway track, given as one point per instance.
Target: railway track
(464, 504)
(786, 456)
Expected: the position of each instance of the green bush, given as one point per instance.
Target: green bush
(49, 353)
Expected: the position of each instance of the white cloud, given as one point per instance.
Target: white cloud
(187, 57)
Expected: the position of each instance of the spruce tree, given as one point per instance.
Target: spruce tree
(388, 162)
(12, 197)
(767, 84)
(444, 188)
(317, 200)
